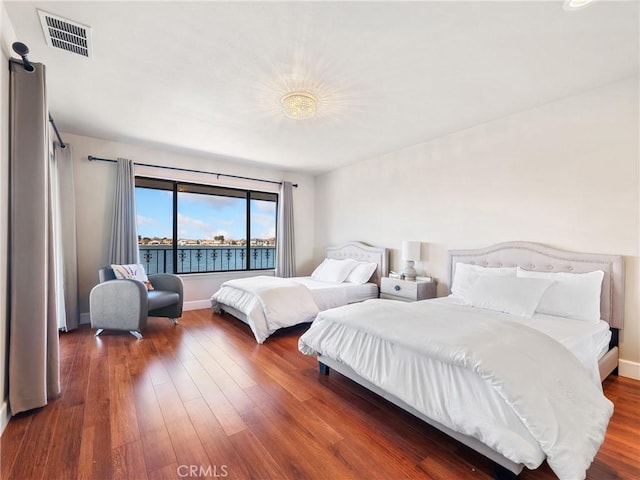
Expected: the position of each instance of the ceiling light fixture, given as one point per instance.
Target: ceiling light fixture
(299, 105)
(575, 4)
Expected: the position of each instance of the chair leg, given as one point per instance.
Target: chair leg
(174, 321)
(136, 334)
(99, 331)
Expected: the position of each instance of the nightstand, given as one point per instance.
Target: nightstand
(407, 291)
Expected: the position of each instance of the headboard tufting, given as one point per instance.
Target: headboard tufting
(542, 258)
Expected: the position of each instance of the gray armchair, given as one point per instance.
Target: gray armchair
(126, 304)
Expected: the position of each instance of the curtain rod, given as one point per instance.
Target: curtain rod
(92, 158)
(22, 50)
(55, 129)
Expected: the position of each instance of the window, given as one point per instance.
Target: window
(190, 228)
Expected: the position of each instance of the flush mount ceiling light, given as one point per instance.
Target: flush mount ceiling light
(576, 4)
(299, 105)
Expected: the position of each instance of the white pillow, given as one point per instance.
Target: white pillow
(573, 295)
(466, 274)
(362, 272)
(134, 271)
(334, 271)
(318, 269)
(518, 296)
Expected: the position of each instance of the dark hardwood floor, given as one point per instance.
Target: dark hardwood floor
(203, 400)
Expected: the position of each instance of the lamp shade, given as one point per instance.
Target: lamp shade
(410, 250)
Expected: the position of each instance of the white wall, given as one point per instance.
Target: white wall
(94, 191)
(564, 174)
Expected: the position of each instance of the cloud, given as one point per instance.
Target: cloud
(152, 227)
(196, 229)
(263, 225)
(265, 206)
(217, 202)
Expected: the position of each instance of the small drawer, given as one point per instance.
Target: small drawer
(399, 288)
(396, 289)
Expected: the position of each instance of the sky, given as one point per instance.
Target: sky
(202, 217)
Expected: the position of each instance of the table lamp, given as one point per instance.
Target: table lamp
(410, 253)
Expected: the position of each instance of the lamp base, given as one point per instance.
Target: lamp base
(409, 272)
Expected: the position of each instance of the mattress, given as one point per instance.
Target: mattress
(586, 340)
(325, 293)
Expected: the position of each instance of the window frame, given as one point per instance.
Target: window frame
(174, 186)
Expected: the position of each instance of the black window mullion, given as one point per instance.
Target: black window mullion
(277, 211)
(247, 250)
(175, 227)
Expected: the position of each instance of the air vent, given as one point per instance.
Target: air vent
(66, 35)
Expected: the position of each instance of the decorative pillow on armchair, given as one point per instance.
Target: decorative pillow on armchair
(134, 271)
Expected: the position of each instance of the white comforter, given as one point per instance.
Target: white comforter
(269, 303)
(515, 389)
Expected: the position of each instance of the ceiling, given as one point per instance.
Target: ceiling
(206, 78)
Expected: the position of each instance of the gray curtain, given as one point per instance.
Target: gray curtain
(34, 368)
(285, 248)
(124, 231)
(63, 202)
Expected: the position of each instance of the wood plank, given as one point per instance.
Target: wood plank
(291, 456)
(123, 419)
(186, 443)
(255, 457)
(128, 462)
(157, 449)
(94, 459)
(225, 362)
(148, 411)
(12, 441)
(75, 385)
(98, 393)
(187, 389)
(62, 460)
(227, 385)
(214, 439)
(31, 459)
(223, 410)
(298, 415)
(295, 441)
(169, 472)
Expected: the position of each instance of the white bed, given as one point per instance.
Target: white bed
(268, 303)
(483, 377)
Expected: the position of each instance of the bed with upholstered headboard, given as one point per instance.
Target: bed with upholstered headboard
(362, 252)
(542, 258)
(455, 365)
(267, 303)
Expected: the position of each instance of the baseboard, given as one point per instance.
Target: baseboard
(629, 369)
(196, 305)
(4, 416)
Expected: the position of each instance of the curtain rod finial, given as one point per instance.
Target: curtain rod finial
(22, 50)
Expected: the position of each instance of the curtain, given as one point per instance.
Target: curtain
(285, 248)
(63, 203)
(124, 231)
(34, 368)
